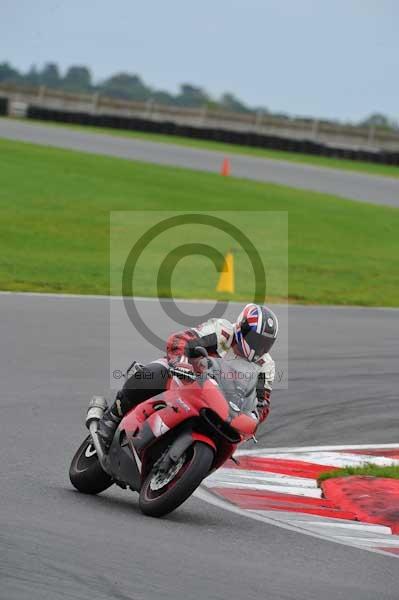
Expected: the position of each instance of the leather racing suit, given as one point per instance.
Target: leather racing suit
(217, 336)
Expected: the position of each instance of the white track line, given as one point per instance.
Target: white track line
(334, 459)
(261, 480)
(191, 300)
(267, 451)
(364, 536)
(104, 297)
(207, 496)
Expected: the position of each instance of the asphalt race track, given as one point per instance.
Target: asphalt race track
(357, 186)
(58, 544)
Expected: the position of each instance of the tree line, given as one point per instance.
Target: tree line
(128, 86)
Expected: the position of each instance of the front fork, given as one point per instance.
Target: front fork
(180, 445)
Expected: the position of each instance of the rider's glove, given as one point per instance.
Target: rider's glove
(194, 353)
(263, 409)
(199, 364)
(263, 406)
(182, 369)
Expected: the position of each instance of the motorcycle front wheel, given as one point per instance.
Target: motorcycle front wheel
(161, 493)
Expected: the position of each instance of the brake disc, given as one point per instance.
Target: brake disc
(160, 479)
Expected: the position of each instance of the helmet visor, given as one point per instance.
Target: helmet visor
(258, 342)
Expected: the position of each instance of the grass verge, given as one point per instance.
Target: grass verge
(295, 157)
(54, 212)
(368, 470)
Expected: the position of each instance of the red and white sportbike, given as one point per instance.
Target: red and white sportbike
(167, 445)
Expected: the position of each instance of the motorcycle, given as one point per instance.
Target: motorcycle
(165, 446)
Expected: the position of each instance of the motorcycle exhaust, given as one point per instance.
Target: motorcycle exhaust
(95, 411)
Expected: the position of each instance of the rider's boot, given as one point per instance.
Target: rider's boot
(109, 423)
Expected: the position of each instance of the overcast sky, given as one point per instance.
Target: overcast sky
(322, 58)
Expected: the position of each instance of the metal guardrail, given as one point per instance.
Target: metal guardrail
(324, 132)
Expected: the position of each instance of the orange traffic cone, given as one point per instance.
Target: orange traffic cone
(225, 170)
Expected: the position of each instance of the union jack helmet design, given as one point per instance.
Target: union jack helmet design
(255, 331)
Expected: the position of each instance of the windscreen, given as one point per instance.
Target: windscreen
(237, 380)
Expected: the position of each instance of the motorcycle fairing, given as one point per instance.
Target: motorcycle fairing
(123, 462)
(155, 417)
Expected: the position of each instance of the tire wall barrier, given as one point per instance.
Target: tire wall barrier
(240, 138)
(3, 106)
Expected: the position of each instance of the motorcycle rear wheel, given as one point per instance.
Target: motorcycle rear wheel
(85, 472)
(157, 501)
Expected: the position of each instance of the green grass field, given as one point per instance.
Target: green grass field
(368, 470)
(55, 207)
(228, 149)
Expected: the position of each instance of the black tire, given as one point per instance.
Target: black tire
(198, 462)
(85, 471)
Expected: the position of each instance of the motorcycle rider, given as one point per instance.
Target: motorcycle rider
(250, 338)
